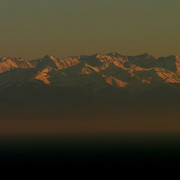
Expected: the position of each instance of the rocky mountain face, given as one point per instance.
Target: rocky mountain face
(96, 79)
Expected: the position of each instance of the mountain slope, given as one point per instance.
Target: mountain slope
(100, 78)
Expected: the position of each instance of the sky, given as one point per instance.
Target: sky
(34, 28)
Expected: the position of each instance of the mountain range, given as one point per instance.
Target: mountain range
(105, 79)
(100, 92)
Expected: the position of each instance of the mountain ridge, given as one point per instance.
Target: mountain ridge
(97, 63)
(90, 92)
(89, 78)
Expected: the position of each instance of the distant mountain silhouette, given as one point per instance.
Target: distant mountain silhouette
(104, 80)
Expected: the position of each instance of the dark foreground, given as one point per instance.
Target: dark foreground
(137, 151)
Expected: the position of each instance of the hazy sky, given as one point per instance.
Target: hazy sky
(34, 28)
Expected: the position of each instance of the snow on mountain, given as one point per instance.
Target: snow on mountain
(97, 71)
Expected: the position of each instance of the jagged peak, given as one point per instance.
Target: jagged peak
(170, 57)
(144, 55)
(113, 54)
(5, 58)
(92, 55)
(173, 56)
(49, 57)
